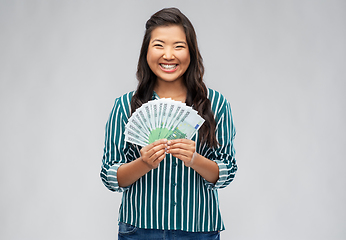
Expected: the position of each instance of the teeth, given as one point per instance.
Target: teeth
(168, 66)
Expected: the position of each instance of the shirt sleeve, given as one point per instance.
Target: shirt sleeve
(115, 146)
(224, 155)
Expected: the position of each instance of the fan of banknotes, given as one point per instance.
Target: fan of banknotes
(162, 119)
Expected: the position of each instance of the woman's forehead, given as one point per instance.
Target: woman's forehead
(170, 33)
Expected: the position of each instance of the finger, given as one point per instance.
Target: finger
(185, 152)
(153, 154)
(160, 158)
(158, 142)
(154, 160)
(155, 146)
(188, 160)
(157, 155)
(182, 158)
(161, 147)
(182, 154)
(181, 143)
(180, 140)
(181, 146)
(157, 158)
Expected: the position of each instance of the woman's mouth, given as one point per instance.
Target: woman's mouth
(168, 67)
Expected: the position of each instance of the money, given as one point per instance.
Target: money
(162, 119)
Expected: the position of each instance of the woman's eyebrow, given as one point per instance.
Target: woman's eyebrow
(178, 42)
(158, 40)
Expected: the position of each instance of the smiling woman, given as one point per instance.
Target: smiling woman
(168, 56)
(170, 187)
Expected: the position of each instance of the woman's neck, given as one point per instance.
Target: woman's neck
(174, 90)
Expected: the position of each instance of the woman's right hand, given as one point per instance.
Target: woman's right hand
(154, 153)
(151, 156)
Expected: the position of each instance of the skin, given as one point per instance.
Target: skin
(168, 45)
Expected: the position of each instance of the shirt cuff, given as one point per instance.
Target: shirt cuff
(223, 176)
(113, 180)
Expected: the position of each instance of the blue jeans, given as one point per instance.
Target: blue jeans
(129, 232)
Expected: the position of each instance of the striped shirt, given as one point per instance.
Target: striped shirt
(172, 196)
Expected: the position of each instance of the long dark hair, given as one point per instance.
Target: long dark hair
(193, 77)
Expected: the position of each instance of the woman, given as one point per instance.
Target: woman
(170, 187)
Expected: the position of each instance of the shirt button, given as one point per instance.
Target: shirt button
(174, 184)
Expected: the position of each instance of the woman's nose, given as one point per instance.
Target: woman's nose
(168, 55)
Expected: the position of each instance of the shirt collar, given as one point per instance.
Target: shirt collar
(155, 96)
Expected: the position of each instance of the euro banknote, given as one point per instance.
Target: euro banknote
(162, 119)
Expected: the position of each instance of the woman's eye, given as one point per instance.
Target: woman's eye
(180, 46)
(158, 45)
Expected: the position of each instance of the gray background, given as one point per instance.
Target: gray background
(281, 64)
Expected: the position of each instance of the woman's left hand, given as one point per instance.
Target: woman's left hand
(184, 149)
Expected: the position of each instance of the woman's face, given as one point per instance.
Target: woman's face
(168, 53)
